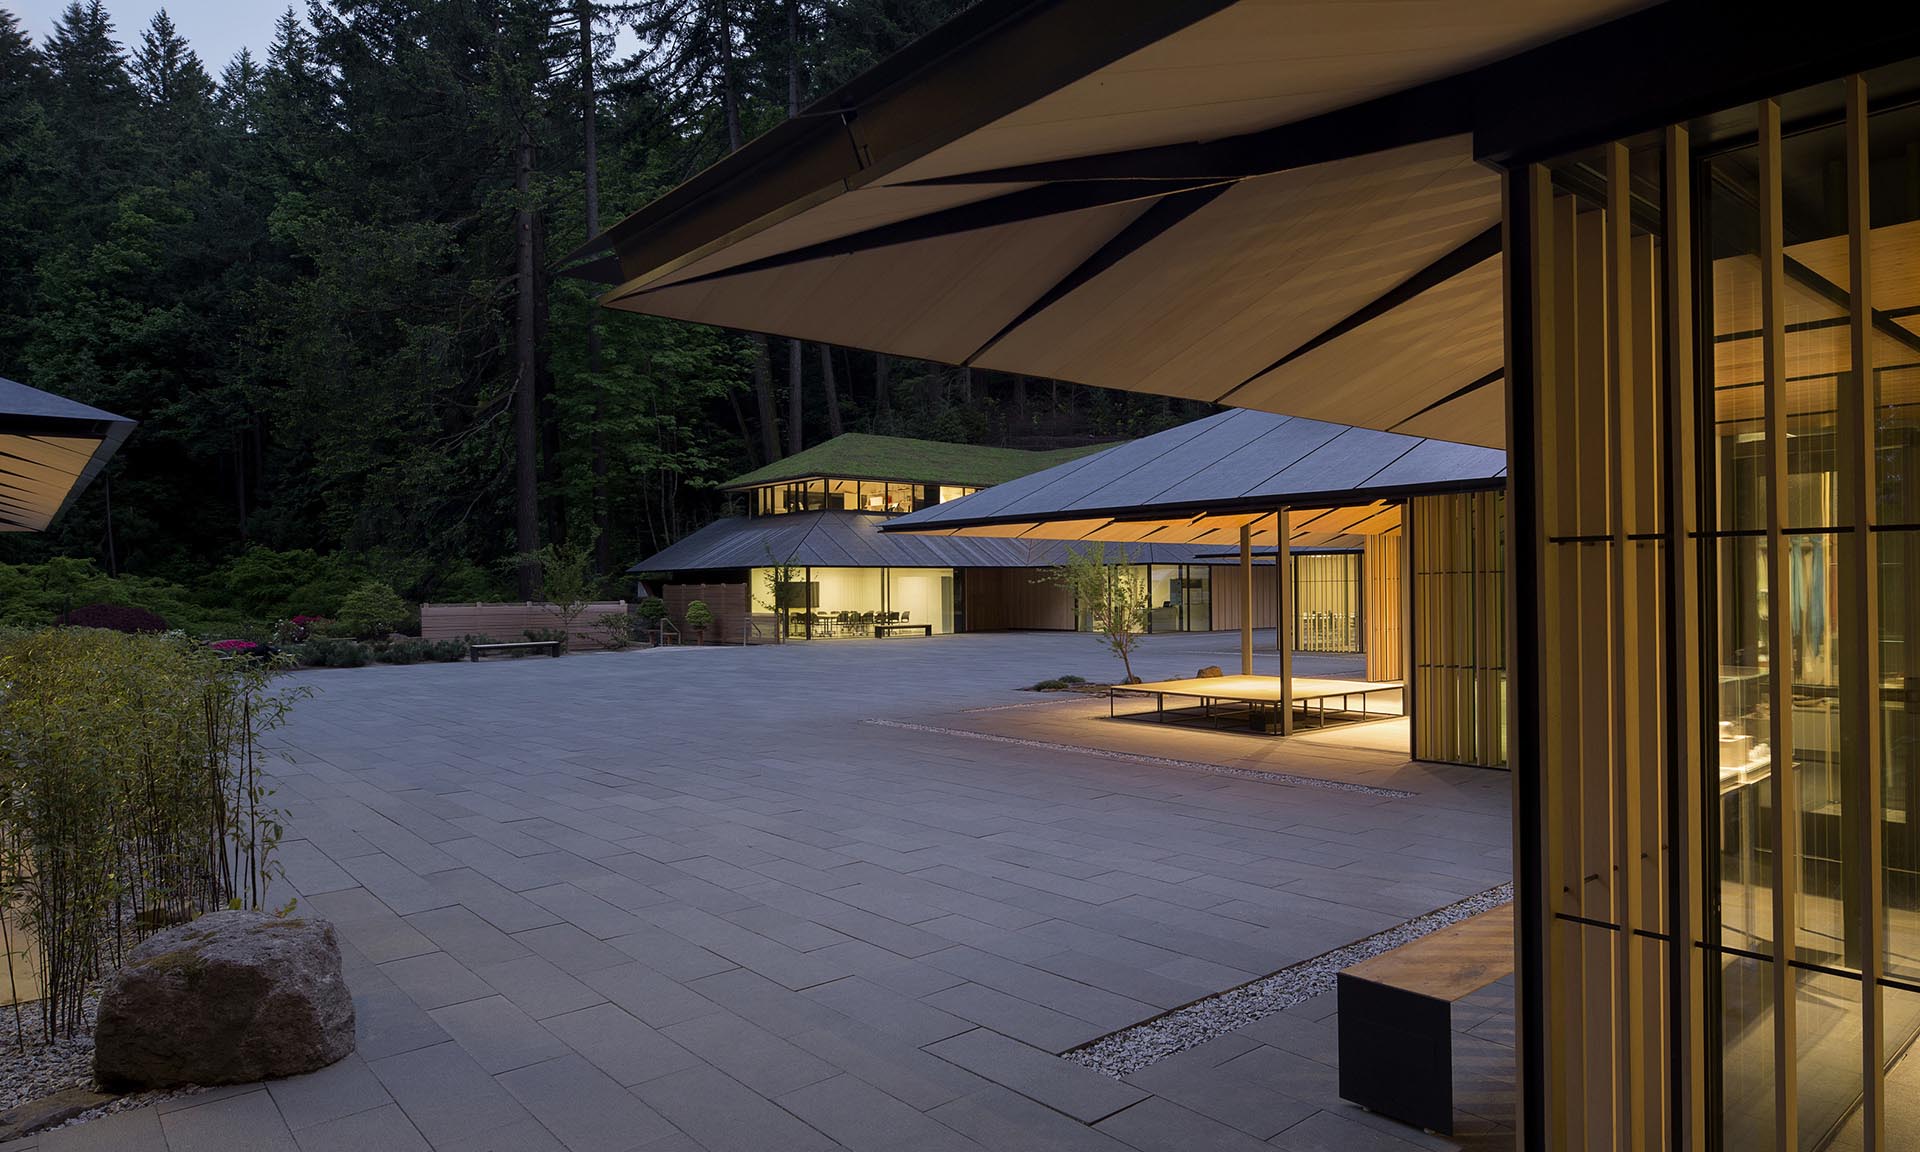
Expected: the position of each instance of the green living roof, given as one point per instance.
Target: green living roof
(860, 456)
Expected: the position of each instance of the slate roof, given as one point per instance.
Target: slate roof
(854, 540)
(51, 448)
(1240, 460)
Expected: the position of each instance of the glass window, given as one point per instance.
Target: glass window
(954, 492)
(899, 497)
(1326, 597)
(921, 596)
(842, 495)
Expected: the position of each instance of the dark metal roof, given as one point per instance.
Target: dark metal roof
(1240, 460)
(51, 448)
(854, 540)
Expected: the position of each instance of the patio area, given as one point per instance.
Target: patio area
(855, 896)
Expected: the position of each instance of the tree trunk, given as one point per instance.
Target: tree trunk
(882, 389)
(795, 438)
(763, 399)
(966, 385)
(602, 510)
(831, 387)
(1020, 398)
(553, 499)
(746, 433)
(526, 525)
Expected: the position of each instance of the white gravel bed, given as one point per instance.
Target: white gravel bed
(1132, 1049)
(41, 1069)
(1159, 761)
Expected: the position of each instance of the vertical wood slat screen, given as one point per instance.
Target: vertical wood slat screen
(1382, 570)
(1458, 546)
(1602, 693)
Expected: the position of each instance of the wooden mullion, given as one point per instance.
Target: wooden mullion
(1283, 617)
(1622, 386)
(1685, 641)
(1860, 632)
(1786, 840)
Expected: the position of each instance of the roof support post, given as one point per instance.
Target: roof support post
(1246, 600)
(1283, 616)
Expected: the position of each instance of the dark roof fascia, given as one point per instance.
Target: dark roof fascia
(1671, 63)
(988, 61)
(1293, 501)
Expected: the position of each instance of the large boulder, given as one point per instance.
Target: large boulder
(230, 998)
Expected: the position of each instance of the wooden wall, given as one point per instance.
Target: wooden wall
(1459, 623)
(1383, 574)
(732, 623)
(511, 621)
(1227, 596)
(1003, 599)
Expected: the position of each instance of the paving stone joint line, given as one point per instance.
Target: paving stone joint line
(1159, 761)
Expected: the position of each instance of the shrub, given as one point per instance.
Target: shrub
(411, 650)
(1049, 685)
(130, 795)
(1073, 679)
(333, 652)
(373, 611)
(115, 618)
(270, 585)
(616, 630)
(251, 648)
(652, 609)
(699, 616)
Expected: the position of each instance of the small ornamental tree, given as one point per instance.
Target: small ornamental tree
(373, 611)
(1112, 594)
(566, 581)
(699, 618)
(782, 578)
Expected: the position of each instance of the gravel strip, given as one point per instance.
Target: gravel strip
(41, 1069)
(1162, 761)
(1132, 1049)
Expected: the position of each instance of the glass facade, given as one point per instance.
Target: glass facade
(1723, 348)
(847, 603)
(1326, 602)
(1179, 597)
(825, 494)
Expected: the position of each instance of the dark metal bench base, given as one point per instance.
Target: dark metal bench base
(880, 631)
(1396, 1053)
(475, 651)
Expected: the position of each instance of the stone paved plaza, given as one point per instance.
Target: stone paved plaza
(694, 899)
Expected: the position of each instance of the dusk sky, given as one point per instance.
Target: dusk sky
(216, 28)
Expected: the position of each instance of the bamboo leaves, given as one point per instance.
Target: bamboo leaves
(131, 797)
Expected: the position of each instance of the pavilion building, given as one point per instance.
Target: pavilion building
(1666, 255)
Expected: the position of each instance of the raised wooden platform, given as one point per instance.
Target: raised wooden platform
(1261, 696)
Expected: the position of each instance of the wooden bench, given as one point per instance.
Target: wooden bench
(475, 651)
(1396, 1017)
(881, 631)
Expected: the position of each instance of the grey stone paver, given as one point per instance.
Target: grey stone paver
(690, 901)
(436, 980)
(620, 1045)
(245, 1123)
(584, 1107)
(1079, 1092)
(864, 1119)
(336, 1091)
(497, 1034)
(385, 1128)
